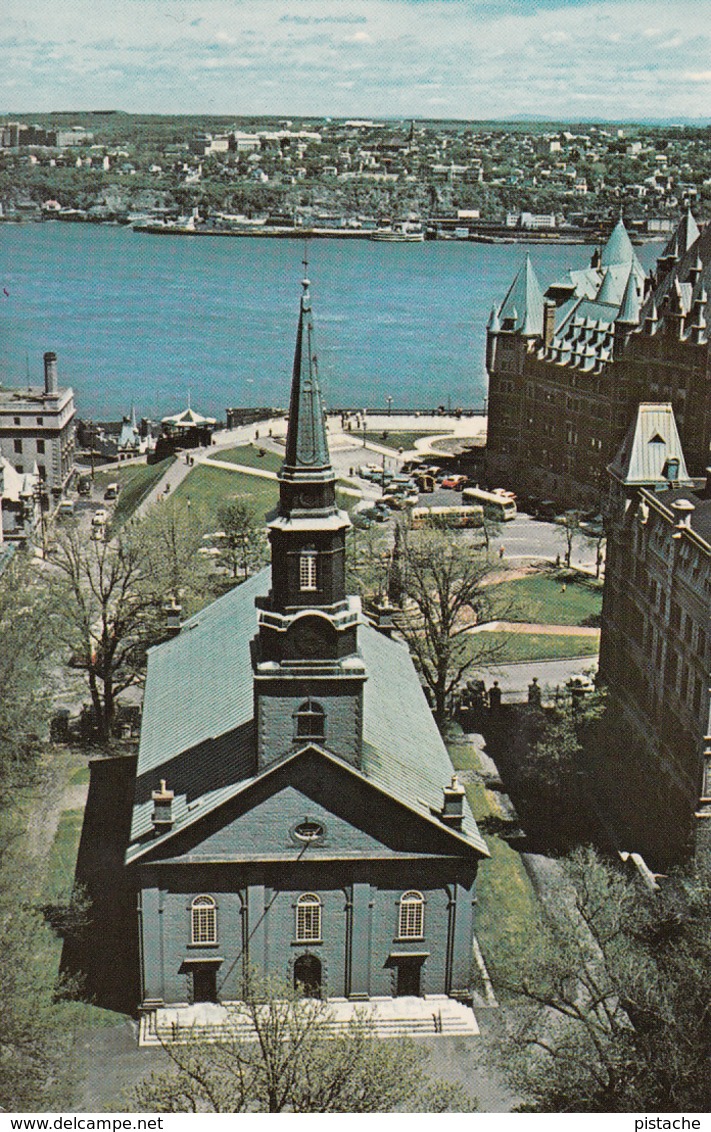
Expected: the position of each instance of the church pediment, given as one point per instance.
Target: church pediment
(308, 805)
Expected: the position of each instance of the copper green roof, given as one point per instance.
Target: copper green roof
(524, 302)
(618, 248)
(306, 446)
(652, 441)
(630, 306)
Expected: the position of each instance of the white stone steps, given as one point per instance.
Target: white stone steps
(391, 1018)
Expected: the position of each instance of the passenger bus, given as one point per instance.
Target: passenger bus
(447, 516)
(499, 508)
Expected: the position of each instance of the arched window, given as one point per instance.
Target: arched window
(308, 918)
(203, 915)
(412, 916)
(308, 581)
(310, 720)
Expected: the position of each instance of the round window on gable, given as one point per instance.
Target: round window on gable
(308, 831)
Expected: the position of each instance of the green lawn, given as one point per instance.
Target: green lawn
(541, 599)
(502, 647)
(405, 440)
(136, 481)
(210, 488)
(248, 456)
(506, 908)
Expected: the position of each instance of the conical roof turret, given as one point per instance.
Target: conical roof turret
(306, 454)
(630, 305)
(618, 248)
(523, 305)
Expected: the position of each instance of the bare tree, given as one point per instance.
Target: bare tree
(109, 613)
(570, 531)
(278, 1056)
(612, 995)
(446, 597)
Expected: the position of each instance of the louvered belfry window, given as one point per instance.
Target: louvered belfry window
(308, 581)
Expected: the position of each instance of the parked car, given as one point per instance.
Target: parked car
(66, 509)
(100, 517)
(454, 482)
(84, 485)
(112, 491)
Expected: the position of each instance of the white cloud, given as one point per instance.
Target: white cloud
(490, 58)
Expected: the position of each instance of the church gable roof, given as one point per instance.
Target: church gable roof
(256, 819)
(199, 708)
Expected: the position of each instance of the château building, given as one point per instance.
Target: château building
(569, 365)
(37, 429)
(655, 644)
(295, 807)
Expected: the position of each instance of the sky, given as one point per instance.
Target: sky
(468, 59)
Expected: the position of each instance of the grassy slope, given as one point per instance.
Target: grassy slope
(506, 902)
(136, 481)
(248, 456)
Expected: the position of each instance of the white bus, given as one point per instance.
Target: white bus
(447, 516)
(499, 508)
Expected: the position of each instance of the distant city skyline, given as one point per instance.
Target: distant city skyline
(467, 59)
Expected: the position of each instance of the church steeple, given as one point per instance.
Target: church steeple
(307, 482)
(307, 645)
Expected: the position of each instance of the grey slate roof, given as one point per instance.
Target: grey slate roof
(198, 713)
(651, 440)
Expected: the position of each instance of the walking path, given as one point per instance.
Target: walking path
(532, 627)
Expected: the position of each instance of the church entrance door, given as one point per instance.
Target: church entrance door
(204, 984)
(408, 977)
(307, 976)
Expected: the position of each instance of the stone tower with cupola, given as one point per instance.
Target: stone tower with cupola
(308, 675)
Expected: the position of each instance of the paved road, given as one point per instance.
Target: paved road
(514, 678)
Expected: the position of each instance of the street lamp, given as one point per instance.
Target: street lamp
(390, 404)
(364, 428)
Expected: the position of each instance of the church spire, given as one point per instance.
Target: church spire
(306, 446)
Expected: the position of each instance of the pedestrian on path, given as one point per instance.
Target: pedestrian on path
(502, 551)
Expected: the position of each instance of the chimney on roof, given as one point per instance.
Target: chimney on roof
(452, 813)
(549, 309)
(162, 816)
(51, 383)
(172, 617)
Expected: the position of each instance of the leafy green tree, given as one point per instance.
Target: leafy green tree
(169, 537)
(610, 1010)
(34, 1045)
(27, 630)
(280, 1058)
(244, 546)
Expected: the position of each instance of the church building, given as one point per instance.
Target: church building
(295, 807)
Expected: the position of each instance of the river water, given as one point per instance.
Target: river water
(150, 320)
